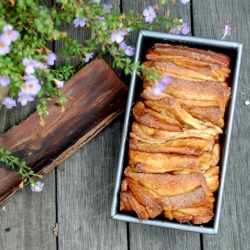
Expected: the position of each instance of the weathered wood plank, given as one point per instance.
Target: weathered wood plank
(149, 237)
(30, 219)
(85, 188)
(235, 223)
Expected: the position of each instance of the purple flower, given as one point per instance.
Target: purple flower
(123, 45)
(226, 26)
(4, 80)
(185, 1)
(226, 29)
(9, 35)
(176, 30)
(24, 98)
(80, 22)
(38, 188)
(9, 103)
(32, 86)
(118, 36)
(130, 51)
(149, 14)
(33, 62)
(30, 65)
(51, 57)
(89, 56)
(29, 70)
(158, 88)
(4, 47)
(185, 29)
(161, 85)
(60, 84)
(107, 8)
(166, 79)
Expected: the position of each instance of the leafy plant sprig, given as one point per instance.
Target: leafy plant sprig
(15, 163)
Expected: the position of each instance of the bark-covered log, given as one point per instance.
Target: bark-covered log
(96, 96)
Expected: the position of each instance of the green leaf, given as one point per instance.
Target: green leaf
(7, 152)
(128, 61)
(21, 4)
(167, 26)
(43, 13)
(31, 172)
(3, 159)
(68, 19)
(15, 160)
(29, 2)
(40, 93)
(127, 71)
(23, 164)
(2, 150)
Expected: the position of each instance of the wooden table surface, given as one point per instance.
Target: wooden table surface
(78, 193)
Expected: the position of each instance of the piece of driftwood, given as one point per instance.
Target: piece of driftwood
(96, 96)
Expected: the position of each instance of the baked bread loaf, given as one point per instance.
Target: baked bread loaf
(174, 140)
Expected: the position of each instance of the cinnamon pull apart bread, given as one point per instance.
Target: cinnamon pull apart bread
(174, 151)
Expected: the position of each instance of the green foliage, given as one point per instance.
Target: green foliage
(16, 164)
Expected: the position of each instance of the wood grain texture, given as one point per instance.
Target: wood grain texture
(30, 219)
(235, 223)
(162, 238)
(85, 188)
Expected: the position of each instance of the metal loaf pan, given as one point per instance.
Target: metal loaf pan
(145, 40)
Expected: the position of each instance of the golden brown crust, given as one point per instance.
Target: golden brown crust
(148, 203)
(197, 91)
(148, 134)
(185, 73)
(130, 203)
(144, 198)
(169, 184)
(190, 146)
(161, 162)
(194, 53)
(214, 114)
(154, 119)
